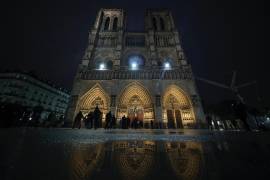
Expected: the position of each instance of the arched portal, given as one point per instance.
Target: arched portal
(177, 108)
(135, 102)
(96, 96)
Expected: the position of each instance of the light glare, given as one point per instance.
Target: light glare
(102, 66)
(167, 65)
(134, 65)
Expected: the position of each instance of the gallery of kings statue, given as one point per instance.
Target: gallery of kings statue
(142, 75)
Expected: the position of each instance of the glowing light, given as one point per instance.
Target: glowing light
(134, 66)
(135, 62)
(30, 118)
(102, 66)
(167, 66)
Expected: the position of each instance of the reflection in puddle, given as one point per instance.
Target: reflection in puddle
(137, 160)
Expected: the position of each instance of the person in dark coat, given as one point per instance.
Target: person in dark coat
(135, 123)
(77, 120)
(241, 113)
(128, 122)
(97, 117)
(152, 124)
(209, 122)
(89, 120)
(108, 120)
(123, 122)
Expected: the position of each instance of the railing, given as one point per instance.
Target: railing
(177, 74)
(164, 40)
(135, 41)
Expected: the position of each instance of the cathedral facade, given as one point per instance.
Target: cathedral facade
(142, 75)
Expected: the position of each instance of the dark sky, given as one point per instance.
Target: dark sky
(218, 37)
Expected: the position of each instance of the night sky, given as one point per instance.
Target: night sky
(50, 36)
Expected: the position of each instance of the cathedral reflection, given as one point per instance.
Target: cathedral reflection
(137, 160)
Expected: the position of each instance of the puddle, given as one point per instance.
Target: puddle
(228, 158)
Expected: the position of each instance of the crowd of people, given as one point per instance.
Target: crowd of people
(94, 120)
(126, 123)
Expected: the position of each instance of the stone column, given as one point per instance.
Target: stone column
(113, 104)
(158, 112)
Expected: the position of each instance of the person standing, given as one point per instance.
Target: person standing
(108, 120)
(209, 122)
(123, 120)
(241, 113)
(97, 117)
(77, 120)
(89, 120)
(152, 124)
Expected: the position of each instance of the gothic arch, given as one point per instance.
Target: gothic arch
(107, 24)
(135, 95)
(95, 96)
(162, 24)
(154, 23)
(141, 54)
(177, 108)
(115, 23)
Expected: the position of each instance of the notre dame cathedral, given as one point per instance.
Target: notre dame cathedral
(143, 75)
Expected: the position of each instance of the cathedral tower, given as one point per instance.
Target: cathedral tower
(142, 75)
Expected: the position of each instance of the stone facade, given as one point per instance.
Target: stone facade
(142, 75)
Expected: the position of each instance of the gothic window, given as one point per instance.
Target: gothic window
(162, 26)
(107, 23)
(154, 23)
(115, 22)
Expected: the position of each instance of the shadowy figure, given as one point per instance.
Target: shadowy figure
(128, 122)
(108, 120)
(209, 122)
(123, 122)
(136, 123)
(89, 120)
(152, 124)
(97, 118)
(77, 120)
(241, 113)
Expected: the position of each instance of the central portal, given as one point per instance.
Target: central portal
(135, 109)
(135, 103)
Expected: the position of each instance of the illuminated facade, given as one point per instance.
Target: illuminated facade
(141, 75)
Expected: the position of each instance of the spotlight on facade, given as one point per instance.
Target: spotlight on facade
(101, 66)
(167, 66)
(134, 66)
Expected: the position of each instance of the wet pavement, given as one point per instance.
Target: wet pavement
(30, 153)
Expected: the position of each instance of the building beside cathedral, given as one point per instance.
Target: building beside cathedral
(30, 91)
(143, 75)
